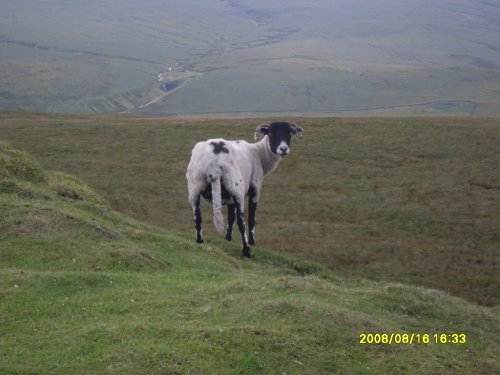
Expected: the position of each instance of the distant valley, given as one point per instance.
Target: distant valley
(251, 58)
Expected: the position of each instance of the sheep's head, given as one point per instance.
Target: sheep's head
(280, 135)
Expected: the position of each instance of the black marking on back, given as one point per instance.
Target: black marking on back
(219, 147)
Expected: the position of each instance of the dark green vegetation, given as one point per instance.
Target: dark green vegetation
(84, 289)
(402, 200)
(346, 57)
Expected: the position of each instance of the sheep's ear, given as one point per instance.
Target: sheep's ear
(262, 129)
(296, 129)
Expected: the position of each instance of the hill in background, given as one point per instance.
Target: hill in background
(85, 289)
(251, 57)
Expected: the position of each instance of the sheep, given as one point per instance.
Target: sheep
(224, 172)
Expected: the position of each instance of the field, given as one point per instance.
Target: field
(85, 289)
(377, 238)
(413, 201)
(254, 58)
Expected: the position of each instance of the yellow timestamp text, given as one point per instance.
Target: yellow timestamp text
(412, 338)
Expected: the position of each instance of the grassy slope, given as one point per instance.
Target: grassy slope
(85, 289)
(403, 200)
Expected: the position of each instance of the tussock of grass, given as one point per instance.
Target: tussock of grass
(18, 164)
(84, 289)
(74, 189)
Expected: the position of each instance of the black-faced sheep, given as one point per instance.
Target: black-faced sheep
(227, 171)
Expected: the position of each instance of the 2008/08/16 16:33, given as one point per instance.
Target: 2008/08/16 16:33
(412, 338)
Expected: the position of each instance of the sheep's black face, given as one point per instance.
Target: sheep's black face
(280, 136)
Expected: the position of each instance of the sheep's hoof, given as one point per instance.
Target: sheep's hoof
(199, 240)
(247, 252)
(229, 237)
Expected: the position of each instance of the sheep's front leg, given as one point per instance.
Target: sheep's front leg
(231, 216)
(252, 208)
(241, 226)
(198, 221)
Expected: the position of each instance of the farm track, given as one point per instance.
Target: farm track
(159, 98)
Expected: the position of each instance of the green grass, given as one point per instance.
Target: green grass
(401, 200)
(85, 289)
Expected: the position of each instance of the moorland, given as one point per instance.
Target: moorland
(251, 58)
(383, 219)
(86, 289)
(404, 200)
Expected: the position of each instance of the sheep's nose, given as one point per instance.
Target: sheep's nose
(284, 148)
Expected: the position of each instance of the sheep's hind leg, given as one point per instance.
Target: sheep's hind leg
(241, 226)
(231, 216)
(252, 208)
(198, 221)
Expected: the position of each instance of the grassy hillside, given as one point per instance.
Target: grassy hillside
(402, 200)
(85, 289)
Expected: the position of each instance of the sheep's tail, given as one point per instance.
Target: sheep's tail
(217, 204)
